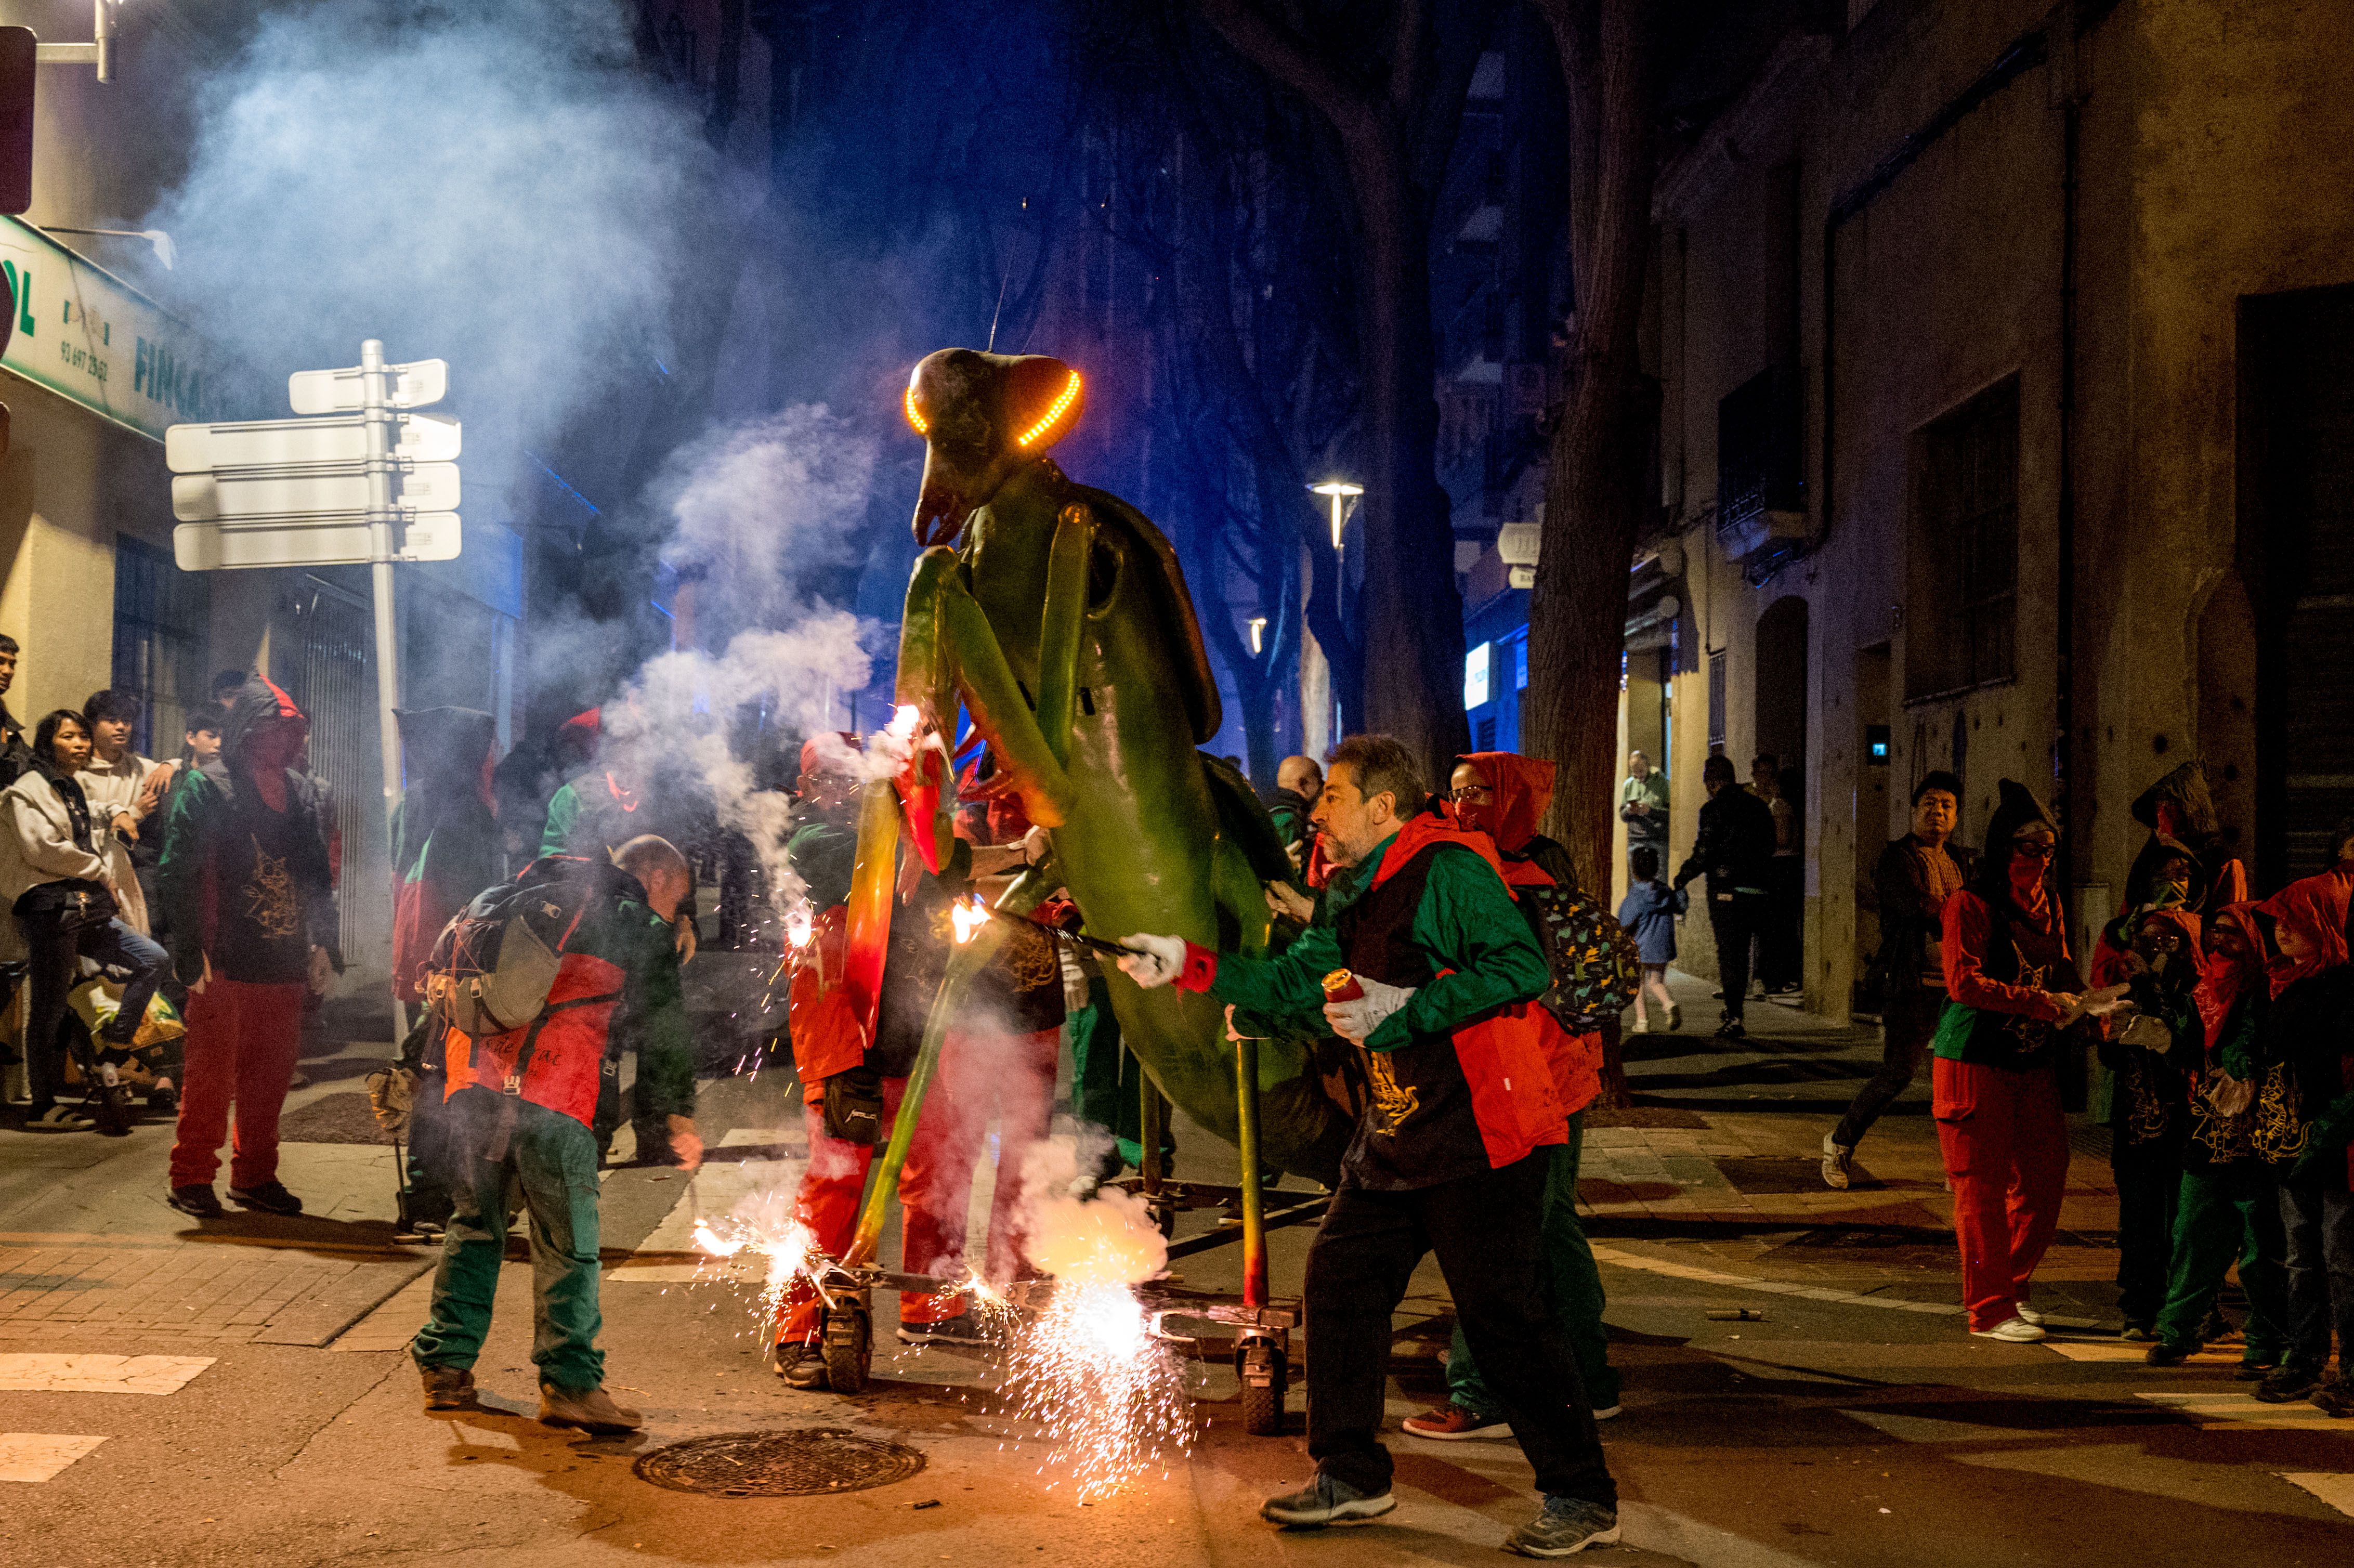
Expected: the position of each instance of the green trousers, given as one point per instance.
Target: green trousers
(552, 1161)
(1573, 1287)
(2223, 1215)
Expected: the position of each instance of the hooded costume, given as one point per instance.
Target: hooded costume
(445, 835)
(2306, 1106)
(2005, 951)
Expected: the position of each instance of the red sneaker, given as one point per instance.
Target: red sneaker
(1452, 1422)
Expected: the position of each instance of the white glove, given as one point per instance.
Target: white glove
(1359, 1016)
(1156, 962)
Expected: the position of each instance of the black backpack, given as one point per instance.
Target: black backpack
(496, 960)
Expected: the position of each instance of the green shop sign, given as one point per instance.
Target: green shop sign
(86, 335)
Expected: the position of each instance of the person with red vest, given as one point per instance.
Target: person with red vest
(1419, 957)
(519, 1107)
(1505, 796)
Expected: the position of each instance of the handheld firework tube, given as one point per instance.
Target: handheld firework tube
(1341, 985)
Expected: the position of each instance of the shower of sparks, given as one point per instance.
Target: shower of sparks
(799, 927)
(792, 1254)
(969, 916)
(1108, 1392)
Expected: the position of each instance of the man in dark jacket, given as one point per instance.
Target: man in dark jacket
(15, 755)
(1735, 850)
(249, 896)
(520, 1105)
(1452, 1152)
(1915, 875)
(1297, 782)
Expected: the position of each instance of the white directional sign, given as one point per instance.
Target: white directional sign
(328, 492)
(339, 391)
(282, 443)
(307, 542)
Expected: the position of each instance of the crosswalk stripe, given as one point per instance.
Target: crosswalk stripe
(2224, 1410)
(38, 1455)
(2338, 1491)
(98, 1374)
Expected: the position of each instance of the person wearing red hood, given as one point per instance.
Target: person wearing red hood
(248, 891)
(2149, 1062)
(1419, 955)
(2013, 988)
(2229, 1208)
(1505, 796)
(2305, 1115)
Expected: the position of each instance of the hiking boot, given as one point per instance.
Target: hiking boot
(2012, 1332)
(1324, 1502)
(448, 1388)
(1452, 1422)
(2335, 1398)
(590, 1410)
(2287, 1384)
(1838, 1159)
(197, 1201)
(1565, 1525)
(803, 1366)
(2167, 1354)
(271, 1197)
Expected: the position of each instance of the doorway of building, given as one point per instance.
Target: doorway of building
(1873, 825)
(1778, 704)
(2297, 553)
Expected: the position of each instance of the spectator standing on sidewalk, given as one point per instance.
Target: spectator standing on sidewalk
(1994, 1089)
(1451, 1153)
(124, 789)
(15, 756)
(1648, 914)
(249, 898)
(2305, 1120)
(1915, 875)
(59, 882)
(1643, 807)
(1504, 796)
(618, 959)
(1734, 850)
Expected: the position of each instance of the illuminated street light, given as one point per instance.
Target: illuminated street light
(1258, 630)
(1339, 490)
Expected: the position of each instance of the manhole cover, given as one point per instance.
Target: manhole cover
(814, 1461)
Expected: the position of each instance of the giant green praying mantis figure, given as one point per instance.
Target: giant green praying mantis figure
(1060, 620)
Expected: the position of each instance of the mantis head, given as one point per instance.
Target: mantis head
(983, 417)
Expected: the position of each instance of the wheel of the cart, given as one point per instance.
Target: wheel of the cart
(849, 1347)
(1265, 1378)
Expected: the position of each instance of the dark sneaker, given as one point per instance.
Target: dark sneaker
(2335, 1398)
(448, 1388)
(1732, 1029)
(1324, 1502)
(2164, 1354)
(198, 1201)
(271, 1197)
(803, 1366)
(2287, 1384)
(960, 1329)
(1452, 1422)
(590, 1410)
(1565, 1525)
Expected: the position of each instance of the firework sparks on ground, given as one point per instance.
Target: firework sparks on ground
(790, 1251)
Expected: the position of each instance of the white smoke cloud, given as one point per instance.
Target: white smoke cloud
(1108, 1238)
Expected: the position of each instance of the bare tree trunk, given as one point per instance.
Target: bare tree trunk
(1595, 490)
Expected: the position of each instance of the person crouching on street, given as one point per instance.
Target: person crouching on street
(247, 894)
(1994, 1090)
(1419, 957)
(621, 958)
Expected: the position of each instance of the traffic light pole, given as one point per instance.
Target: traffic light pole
(374, 408)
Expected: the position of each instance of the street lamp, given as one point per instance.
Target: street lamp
(1339, 490)
(1257, 631)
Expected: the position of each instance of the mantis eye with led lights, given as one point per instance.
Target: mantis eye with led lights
(915, 415)
(1053, 417)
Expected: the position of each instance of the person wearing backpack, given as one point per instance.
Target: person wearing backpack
(533, 976)
(1504, 796)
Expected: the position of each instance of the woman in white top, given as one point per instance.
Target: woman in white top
(64, 884)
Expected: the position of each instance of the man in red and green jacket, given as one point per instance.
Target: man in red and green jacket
(1451, 1152)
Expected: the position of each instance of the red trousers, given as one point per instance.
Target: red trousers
(2006, 1146)
(981, 1073)
(831, 1189)
(242, 1043)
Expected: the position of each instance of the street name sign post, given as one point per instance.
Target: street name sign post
(359, 478)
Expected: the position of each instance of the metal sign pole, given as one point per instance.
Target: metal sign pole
(373, 401)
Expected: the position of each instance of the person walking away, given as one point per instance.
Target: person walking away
(1431, 971)
(60, 883)
(248, 894)
(2150, 1061)
(521, 1104)
(1733, 846)
(1505, 796)
(1643, 807)
(2229, 1207)
(1915, 875)
(2305, 1120)
(1993, 1088)
(1648, 914)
